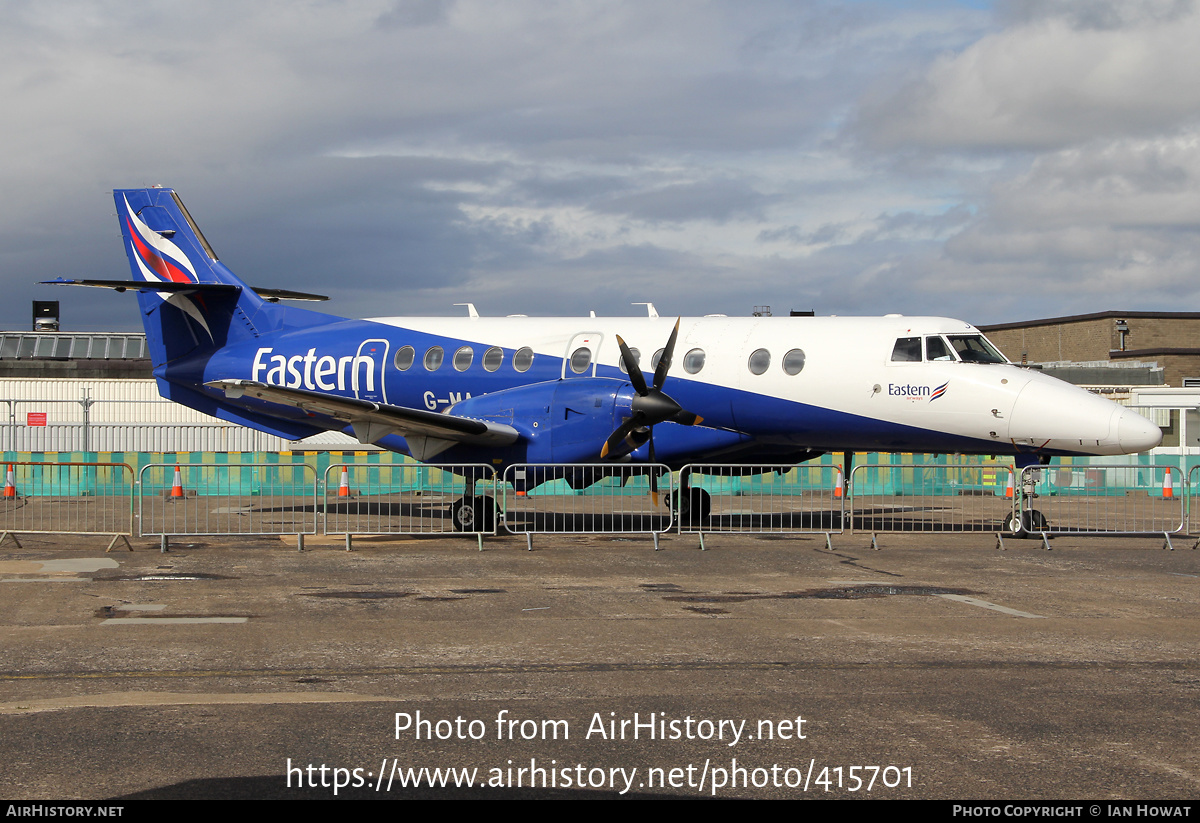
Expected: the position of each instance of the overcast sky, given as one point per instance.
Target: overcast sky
(988, 161)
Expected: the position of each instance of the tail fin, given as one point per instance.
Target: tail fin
(165, 245)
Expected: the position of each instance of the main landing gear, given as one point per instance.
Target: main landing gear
(473, 513)
(691, 505)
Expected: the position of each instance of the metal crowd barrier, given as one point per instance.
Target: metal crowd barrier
(1190, 490)
(929, 498)
(67, 498)
(227, 499)
(596, 498)
(803, 499)
(410, 499)
(1096, 499)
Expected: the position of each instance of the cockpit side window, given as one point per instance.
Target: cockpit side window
(907, 350)
(936, 349)
(973, 348)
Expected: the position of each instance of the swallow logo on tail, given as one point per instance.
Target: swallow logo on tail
(160, 260)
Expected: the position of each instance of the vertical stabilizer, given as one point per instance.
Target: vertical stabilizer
(164, 244)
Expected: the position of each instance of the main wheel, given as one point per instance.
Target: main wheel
(473, 514)
(692, 505)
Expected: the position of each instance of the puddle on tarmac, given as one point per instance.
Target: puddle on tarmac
(834, 593)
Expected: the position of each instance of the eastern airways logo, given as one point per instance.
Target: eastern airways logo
(160, 260)
(914, 393)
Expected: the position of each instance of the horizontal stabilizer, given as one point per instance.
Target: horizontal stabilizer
(173, 287)
(372, 422)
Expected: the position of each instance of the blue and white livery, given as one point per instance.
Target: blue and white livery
(504, 390)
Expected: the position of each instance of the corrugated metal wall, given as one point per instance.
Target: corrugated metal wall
(125, 415)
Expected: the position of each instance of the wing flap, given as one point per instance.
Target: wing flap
(373, 421)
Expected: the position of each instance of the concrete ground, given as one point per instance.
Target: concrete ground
(935, 667)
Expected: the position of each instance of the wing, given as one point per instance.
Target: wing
(428, 433)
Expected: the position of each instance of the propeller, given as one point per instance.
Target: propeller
(651, 406)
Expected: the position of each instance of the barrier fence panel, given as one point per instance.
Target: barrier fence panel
(409, 499)
(923, 498)
(1103, 499)
(227, 499)
(609, 498)
(1192, 515)
(803, 499)
(67, 498)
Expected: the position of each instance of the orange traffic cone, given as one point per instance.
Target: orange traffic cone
(1168, 488)
(10, 486)
(344, 485)
(837, 485)
(177, 485)
(1008, 490)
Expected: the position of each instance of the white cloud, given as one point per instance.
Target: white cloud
(1047, 82)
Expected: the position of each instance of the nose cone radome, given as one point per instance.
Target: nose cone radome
(1135, 433)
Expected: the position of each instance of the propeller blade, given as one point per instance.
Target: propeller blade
(630, 435)
(650, 407)
(618, 437)
(664, 363)
(635, 371)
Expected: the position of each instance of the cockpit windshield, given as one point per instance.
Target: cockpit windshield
(973, 348)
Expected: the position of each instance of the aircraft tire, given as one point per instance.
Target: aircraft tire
(1029, 527)
(473, 514)
(692, 506)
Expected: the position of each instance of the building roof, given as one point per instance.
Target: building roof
(1099, 315)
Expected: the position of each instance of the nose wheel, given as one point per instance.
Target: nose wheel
(1028, 525)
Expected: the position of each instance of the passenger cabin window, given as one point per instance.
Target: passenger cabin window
(907, 350)
(493, 358)
(759, 361)
(463, 358)
(523, 359)
(581, 358)
(654, 358)
(693, 361)
(405, 357)
(936, 349)
(793, 361)
(973, 348)
(433, 358)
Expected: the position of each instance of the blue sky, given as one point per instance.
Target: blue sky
(992, 162)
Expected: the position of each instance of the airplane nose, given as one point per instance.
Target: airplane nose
(1135, 433)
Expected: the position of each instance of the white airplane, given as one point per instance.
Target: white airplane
(505, 390)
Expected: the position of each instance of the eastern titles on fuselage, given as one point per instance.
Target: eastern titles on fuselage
(314, 372)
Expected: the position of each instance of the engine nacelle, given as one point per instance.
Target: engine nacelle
(562, 421)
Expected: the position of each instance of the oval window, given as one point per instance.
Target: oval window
(463, 358)
(581, 358)
(793, 361)
(637, 360)
(759, 361)
(523, 359)
(433, 358)
(693, 361)
(405, 358)
(493, 358)
(657, 356)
